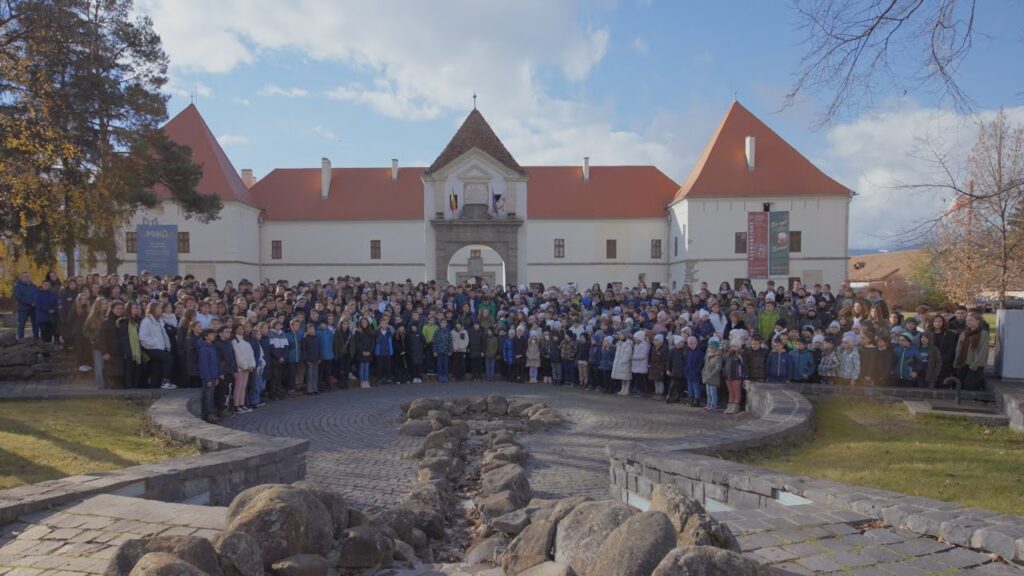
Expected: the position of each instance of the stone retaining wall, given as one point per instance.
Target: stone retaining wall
(887, 394)
(233, 461)
(713, 481)
(1011, 400)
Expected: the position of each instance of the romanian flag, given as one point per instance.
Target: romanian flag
(453, 202)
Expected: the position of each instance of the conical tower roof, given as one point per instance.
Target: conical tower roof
(779, 169)
(219, 176)
(475, 132)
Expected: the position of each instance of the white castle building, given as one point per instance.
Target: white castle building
(476, 213)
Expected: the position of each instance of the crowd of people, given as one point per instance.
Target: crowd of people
(251, 343)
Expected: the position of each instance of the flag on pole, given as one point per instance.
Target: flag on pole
(453, 202)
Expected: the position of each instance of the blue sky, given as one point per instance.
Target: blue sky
(627, 82)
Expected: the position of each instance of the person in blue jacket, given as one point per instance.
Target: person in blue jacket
(325, 334)
(383, 350)
(209, 373)
(905, 358)
(45, 312)
(778, 367)
(25, 297)
(442, 349)
(293, 358)
(228, 367)
(507, 354)
(607, 362)
(801, 360)
(693, 368)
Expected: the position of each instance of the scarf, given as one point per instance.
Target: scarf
(133, 342)
(970, 342)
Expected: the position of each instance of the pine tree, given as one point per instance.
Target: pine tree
(81, 101)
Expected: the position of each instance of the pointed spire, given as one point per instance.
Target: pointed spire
(475, 132)
(219, 175)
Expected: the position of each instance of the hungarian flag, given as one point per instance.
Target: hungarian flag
(453, 202)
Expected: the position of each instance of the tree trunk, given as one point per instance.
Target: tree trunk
(110, 252)
(69, 254)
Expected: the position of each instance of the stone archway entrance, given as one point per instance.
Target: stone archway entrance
(501, 234)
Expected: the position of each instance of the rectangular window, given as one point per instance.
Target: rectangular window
(656, 249)
(275, 250)
(741, 243)
(374, 249)
(610, 249)
(129, 243)
(474, 253)
(184, 243)
(675, 249)
(795, 240)
(559, 247)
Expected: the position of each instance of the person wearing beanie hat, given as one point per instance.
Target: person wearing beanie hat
(658, 361)
(605, 362)
(622, 366)
(639, 363)
(711, 375)
(675, 369)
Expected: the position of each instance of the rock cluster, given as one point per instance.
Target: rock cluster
(470, 448)
(24, 359)
(300, 529)
(581, 537)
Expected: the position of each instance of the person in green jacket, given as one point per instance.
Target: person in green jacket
(766, 321)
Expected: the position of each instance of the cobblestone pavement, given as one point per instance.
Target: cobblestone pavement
(813, 539)
(80, 539)
(357, 450)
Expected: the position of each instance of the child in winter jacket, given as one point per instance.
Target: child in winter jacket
(659, 359)
(209, 373)
(779, 364)
(711, 375)
(694, 369)
(905, 357)
(311, 356)
(801, 362)
(756, 356)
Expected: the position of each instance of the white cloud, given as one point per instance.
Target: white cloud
(640, 45)
(879, 152)
(275, 90)
(202, 90)
(232, 139)
(241, 101)
(323, 132)
(426, 60)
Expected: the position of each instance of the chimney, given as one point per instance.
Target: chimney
(394, 169)
(325, 178)
(247, 178)
(750, 153)
(586, 169)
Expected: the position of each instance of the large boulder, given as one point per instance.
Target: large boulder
(517, 406)
(489, 550)
(497, 405)
(285, 521)
(512, 523)
(530, 548)
(239, 554)
(420, 408)
(637, 546)
(667, 498)
(335, 503)
(416, 428)
(583, 531)
(477, 405)
(196, 551)
(302, 565)
(703, 530)
(164, 564)
(549, 569)
(563, 507)
(400, 519)
(404, 554)
(439, 418)
(708, 561)
(442, 439)
(496, 505)
(365, 547)
(511, 478)
(501, 438)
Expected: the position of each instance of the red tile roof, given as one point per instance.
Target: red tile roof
(355, 194)
(219, 176)
(779, 169)
(558, 192)
(475, 132)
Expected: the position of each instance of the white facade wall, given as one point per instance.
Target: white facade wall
(225, 249)
(712, 224)
(585, 260)
(321, 249)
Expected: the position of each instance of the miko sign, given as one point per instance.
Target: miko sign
(157, 249)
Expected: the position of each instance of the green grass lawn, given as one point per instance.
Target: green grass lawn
(48, 439)
(882, 446)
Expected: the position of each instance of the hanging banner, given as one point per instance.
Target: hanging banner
(778, 238)
(157, 249)
(757, 244)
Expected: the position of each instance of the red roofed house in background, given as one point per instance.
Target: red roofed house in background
(476, 213)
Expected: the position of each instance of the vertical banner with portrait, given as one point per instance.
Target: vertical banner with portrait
(757, 244)
(778, 239)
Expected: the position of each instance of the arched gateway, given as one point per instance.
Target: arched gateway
(499, 234)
